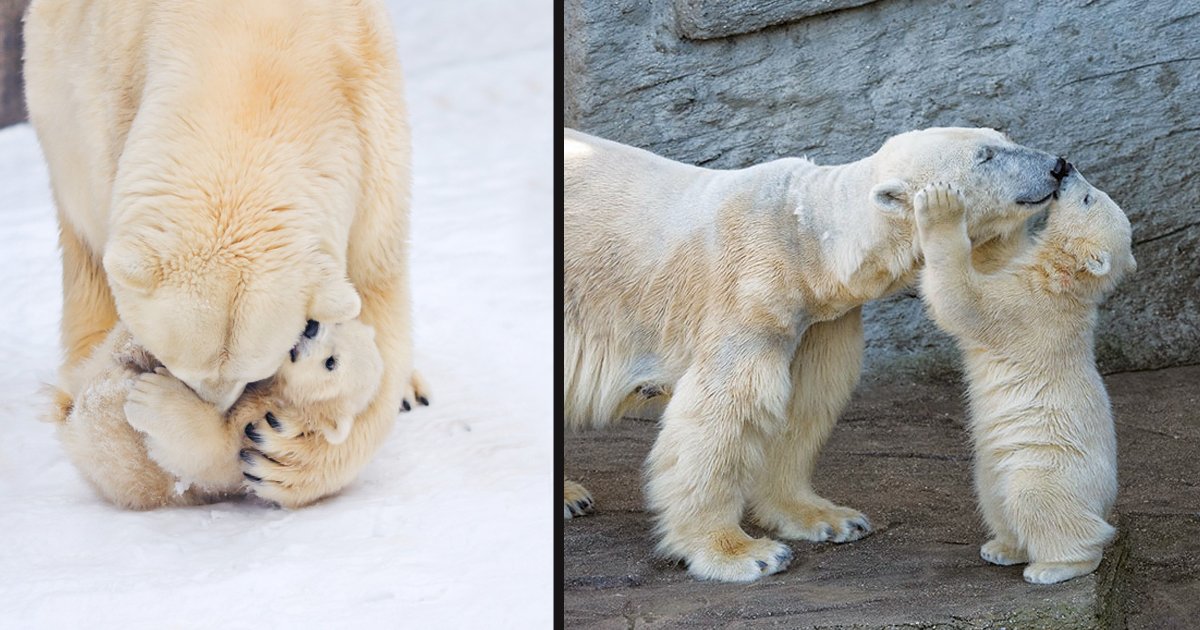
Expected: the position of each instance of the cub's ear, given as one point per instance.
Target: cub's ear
(335, 301)
(338, 434)
(1098, 264)
(129, 267)
(891, 196)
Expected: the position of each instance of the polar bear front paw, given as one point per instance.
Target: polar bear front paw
(939, 203)
(732, 556)
(577, 501)
(154, 400)
(1002, 552)
(818, 521)
(281, 462)
(415, 392)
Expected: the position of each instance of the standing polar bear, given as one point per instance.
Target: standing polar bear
(225, 171)
(737, 294)
(1045, 445)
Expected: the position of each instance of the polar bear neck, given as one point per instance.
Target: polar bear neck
(856, 241)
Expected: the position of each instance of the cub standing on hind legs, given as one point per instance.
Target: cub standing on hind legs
(1045, 447)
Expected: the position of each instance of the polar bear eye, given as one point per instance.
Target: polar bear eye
(985, 154)
(330, 363)
(1087, 199)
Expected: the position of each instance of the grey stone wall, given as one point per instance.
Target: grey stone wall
(1115, 86)
(12, 92)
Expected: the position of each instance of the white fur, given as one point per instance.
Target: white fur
(1045, 447)
(224, 170)
(736, 294)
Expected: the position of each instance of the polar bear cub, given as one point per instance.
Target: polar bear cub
(1042, 427)
(167, 446)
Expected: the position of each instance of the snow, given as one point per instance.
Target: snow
(451, 525)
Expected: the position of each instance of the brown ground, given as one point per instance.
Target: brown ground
(900, 454)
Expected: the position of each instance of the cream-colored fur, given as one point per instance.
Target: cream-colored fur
(226, 170)
(737, 294)
(1045, 447)
(161, 444)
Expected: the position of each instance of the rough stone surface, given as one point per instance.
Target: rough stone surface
(901, 454)
(1115, 86)
(12, 91)
(709, 19)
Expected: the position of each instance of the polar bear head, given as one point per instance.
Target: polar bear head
(222, 312)
(1003, 183)
(332, 374)
(1085, 247)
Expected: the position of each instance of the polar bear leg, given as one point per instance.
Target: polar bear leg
(707, 454)
(824, 373)
(88, 308)
(1003, 548)
(184, 435)
(577, 501)
(1063, 534)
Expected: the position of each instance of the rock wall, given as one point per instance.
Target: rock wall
(12, 91)
(1115, 86)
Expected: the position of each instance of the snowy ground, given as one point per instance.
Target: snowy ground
(452, 524)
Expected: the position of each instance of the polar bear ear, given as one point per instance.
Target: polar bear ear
(335, 301)
(891, 196)
(338, 434)
(1098, 264)
(129, 267)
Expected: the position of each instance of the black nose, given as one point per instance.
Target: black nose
(311, 328)
(1061, 169)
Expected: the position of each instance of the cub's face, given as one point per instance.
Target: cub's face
(1086, 246)
(334, 362)
(1003, 183)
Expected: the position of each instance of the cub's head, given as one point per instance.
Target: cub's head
(222, 312)
(336, 367)
(1085, 248)
(1003, 183)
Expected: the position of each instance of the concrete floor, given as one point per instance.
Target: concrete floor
(901, 455)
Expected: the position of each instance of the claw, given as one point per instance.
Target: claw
(404, 406)
(252, 477)
(423, 400)
(271, 420)
(252, 433)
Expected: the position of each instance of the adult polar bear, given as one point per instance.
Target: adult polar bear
(227, 170)
(738, 293)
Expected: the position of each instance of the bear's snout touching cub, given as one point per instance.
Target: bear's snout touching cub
(1041, 423)
(174, 448)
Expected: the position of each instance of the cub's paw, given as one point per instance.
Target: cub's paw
(416, 392)
(283, 463)
(154, 400)
(818, 521)
(733, 556)
(1002, 552)
(938, 203)
(1052, 572)
(577, 501)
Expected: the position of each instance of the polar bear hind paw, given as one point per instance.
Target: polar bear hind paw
(577, 501)
(1052, 572)
(1003, 553)
(416, 392)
